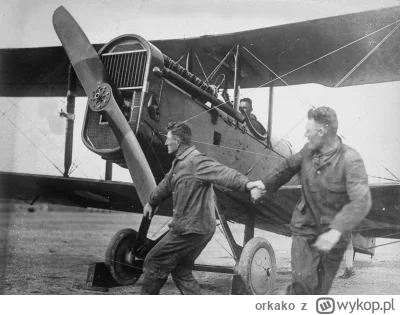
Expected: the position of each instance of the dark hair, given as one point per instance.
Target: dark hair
(325, 116)
(248, 100)
(181, 130)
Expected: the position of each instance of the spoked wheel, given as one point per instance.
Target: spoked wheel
(257, 266)
(124, 268)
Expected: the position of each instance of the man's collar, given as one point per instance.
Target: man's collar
(335, 149)
(332, 152)
(186, 152)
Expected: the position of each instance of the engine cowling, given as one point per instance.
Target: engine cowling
(128, 60)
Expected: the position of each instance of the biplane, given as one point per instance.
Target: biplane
(135, 87)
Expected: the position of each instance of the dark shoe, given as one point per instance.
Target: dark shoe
(349, 272)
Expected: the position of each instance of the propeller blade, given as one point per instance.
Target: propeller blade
(103, 97)
(83, 56)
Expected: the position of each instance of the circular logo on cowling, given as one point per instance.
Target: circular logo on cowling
(100, 97)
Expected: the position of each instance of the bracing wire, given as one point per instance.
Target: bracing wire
(26, 137)
(337, 85)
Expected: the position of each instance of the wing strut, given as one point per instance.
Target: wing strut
(270, 112)
(236, 84)
(189, 61)
(108, 173)
(69, 129)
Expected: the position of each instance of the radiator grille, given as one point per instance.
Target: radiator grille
(127, 68)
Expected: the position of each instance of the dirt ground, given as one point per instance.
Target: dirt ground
(48, 252)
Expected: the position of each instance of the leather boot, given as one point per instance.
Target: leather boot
(349, 272)
(152, 286)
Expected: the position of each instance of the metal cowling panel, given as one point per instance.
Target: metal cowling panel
(127, 70)
(100, 135)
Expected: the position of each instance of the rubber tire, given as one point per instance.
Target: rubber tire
(117, 248)
(244, 267)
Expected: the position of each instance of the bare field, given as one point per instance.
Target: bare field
(49, 253)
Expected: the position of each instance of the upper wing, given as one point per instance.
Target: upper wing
(37, 72)
(284, 49)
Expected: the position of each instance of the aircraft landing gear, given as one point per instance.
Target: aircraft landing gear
(254, 271)
(257, 266)
(124, 267)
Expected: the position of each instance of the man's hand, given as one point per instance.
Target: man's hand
(257, 190)
(256, 184)
(256, 194)
(148, 211)
(326, 241)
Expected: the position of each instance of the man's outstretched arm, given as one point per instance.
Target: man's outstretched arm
(284, 171)
(211, 171)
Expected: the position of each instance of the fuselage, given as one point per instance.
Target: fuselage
(156, 91)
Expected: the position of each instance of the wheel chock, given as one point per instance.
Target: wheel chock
(98, 277)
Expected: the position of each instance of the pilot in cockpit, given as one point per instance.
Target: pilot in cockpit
(247, 105)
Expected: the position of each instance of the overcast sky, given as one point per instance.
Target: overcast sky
(31, 128)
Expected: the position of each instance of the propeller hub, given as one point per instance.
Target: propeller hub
(100, 97)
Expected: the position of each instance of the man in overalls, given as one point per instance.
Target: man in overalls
(335, 198)
(190, 183)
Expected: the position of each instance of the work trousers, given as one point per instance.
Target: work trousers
(312, 270)
(174, 254)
